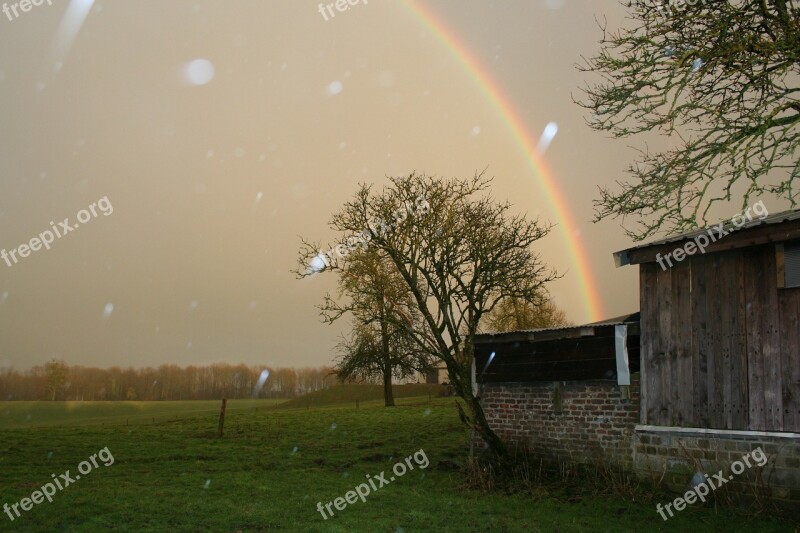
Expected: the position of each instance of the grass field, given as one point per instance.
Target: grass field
(367, 395)
(273, 466)
(39, 414)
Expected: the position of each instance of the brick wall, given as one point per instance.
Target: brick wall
(573, 421)
(676, 454)
(594, 422)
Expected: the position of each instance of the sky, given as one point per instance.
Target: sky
(208, 136)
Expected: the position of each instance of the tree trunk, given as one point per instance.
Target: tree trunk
(481, 427)
(388, 397)
(475, 417)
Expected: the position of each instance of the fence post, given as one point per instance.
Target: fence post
(222, 416)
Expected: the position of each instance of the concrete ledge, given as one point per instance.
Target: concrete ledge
(719, 432)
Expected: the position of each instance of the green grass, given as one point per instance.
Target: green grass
(274, 465)
(44, 414)
(368, 395)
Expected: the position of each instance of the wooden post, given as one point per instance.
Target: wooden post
(222, 417)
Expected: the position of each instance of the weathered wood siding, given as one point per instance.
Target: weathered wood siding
(720, 343)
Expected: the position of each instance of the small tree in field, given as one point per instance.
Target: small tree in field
(374, 293)
(459, 252)
(56, 371)
(364, 356)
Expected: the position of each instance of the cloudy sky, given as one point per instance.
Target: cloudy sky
(221, 131)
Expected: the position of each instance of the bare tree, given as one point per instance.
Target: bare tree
(721, 77)
(459, 252)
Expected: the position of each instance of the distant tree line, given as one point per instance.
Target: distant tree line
(56, 380)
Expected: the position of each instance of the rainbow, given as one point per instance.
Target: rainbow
(592, 301)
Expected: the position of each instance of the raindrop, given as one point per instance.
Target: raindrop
(253, 305)
(194, 304)
(208, 483)
(476, 130)
(333, 426)
(317, 264)
(49, 455)
(335, 87)
(108, 310)
(427, 412)
(259, 196)
(199, 71)
(548, 134)
(3, 297)
(261, 380)
(294, 450)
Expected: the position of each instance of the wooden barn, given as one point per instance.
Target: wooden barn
(720, 330)
(706, 372)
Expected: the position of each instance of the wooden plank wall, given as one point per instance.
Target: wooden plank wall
(720, 343)
(703, 343)
(651, 355)
(789, 303)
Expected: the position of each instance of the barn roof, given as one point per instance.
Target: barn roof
(588, 352)
(561, 332)
(623, 257)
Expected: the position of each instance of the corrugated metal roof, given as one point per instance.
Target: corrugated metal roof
(621, 257)
(624, 319)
